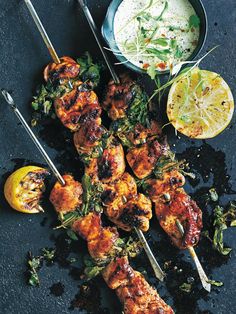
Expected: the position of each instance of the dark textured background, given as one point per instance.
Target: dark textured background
(23, 57)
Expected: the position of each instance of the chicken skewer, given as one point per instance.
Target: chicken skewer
(157, 269)
(102, 246)
(150, 155)
(159, 273)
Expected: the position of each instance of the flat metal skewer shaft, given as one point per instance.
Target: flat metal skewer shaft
(155, 266)
(98, 39)
(203, 277)
(51, 165)
(42, 31)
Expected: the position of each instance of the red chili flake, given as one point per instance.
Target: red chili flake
(146, 65)
(161, 65)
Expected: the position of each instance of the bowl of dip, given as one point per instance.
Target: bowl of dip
(155, 34)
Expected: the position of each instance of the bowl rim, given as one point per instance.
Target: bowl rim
(107, 31)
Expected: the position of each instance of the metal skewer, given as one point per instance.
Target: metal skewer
(98, 39)
(203, 277)
(156, 267)
(51, 165)
(42, 31)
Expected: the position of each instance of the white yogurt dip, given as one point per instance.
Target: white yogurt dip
(156, 34)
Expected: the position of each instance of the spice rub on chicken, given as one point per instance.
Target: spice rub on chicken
(110, 166)
(78, 107)
(61, 72)
(172, 203)
(66, 198)
(142, 159)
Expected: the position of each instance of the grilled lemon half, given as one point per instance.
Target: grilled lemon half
(200, 104)
(24, 188)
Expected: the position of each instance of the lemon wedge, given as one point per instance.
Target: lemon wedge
(200, 104)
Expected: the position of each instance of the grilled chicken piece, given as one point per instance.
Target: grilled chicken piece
(110, 166)
(77, 107)
(180, 206)
(118, 273)
(88, 137)
(89, 227)
(103, 247)
(65, 70)
(143, 159)
(140, 134)
(135, 213)
(158, 189)
(118, 97)
(66, 198)
(117, 193)
(139, 297)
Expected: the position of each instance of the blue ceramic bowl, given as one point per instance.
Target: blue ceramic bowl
(108, 32)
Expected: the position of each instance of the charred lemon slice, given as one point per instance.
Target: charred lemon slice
(24, 188)
(200, 104)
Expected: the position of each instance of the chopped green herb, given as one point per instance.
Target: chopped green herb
(34, 263)
(72, 235)
(186, 287)
(48, 254)
(89, 71)
(221, 220)
(194, 21)
(91, 196)
(161, 54)
(216, 283)
(178, 53)
(213, 195)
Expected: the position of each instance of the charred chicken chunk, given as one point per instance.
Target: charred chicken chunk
(88, 227)
(139, 297)
(110, 166)
(116, 193)
(180, 206)
(63, 71)
(103, 247)
(78, 107)
(88, 137)
(140, 134)
(142, 159)
(66, 198)
(158, 189)
(118, 98)
(135, 213)
(118, 273)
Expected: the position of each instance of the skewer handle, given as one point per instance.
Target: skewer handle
(203, 277)
(51, 165)
(98, 39)
(156, 267)
(42, 31)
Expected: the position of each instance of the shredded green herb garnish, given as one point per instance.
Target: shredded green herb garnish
(222, 219)
(97, 151)
(186, 287)
(90, 72)
(91, 196)
(34, 264)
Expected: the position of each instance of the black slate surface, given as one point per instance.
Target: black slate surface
(23, 57)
